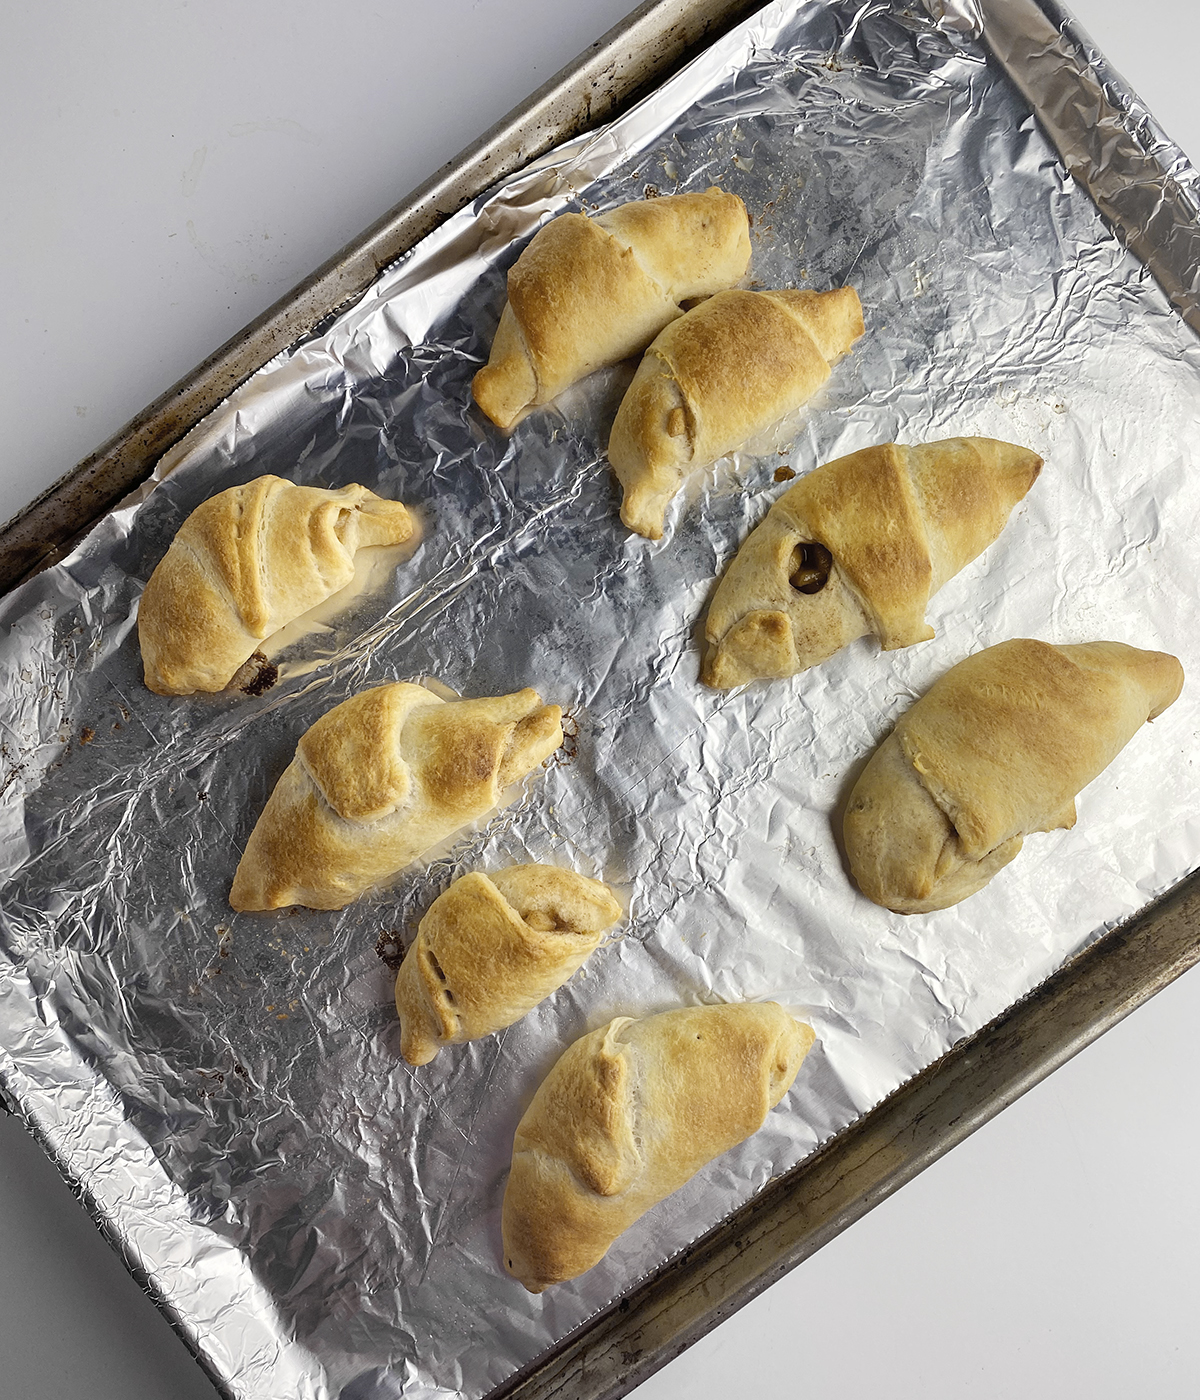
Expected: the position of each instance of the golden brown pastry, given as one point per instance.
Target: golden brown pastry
(380, 779)
(589, 292)
(627, 1115)
(859, 546)
(997, 749)
(491, 948)
(244, 564)
(731, 367)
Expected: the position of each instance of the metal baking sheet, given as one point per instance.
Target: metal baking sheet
(319, 1222)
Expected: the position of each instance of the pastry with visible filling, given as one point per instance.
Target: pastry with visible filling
(630, 1113)
(858, 547)
(491, 948)
(246, 563)
(997, 749)
(727, 370)
(380, 779)
(588, 292)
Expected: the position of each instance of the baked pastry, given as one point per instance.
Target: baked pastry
(859, 546)
(589, 292)
(380, 779)
(627, 1115)
(491, 948)
(731, 367)
(998, 748)
(246, 563)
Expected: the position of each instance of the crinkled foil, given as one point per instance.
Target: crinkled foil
(321, 1220)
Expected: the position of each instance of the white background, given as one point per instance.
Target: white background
(169, 168)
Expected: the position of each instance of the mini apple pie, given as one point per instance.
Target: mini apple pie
(997, 749)
(858, 547)
(628, 1115)
(380, 779)
(246, 563)
(491, 948)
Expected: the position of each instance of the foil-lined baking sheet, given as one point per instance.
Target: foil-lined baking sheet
(321, 1220)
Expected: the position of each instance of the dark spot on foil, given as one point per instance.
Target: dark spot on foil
(86, 736)
(390, 949)
(652, 192)
(264, 677)
(784, 473)
(568, 750)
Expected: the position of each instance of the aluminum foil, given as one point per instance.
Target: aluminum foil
(320, 1220)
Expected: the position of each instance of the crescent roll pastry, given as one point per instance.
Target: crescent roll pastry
(628, 1115)
(728, 369)
(380, 779)
(589, 292)
(859, 546)
(491, 948)
(998, 748)
(244, 564)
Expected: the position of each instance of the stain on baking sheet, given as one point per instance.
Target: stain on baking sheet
(389, 947)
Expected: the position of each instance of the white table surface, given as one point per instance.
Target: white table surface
(169, 170)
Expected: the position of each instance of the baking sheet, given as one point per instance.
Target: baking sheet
(229, 1091)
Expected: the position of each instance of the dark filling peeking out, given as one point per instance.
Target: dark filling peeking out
(811, 564)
